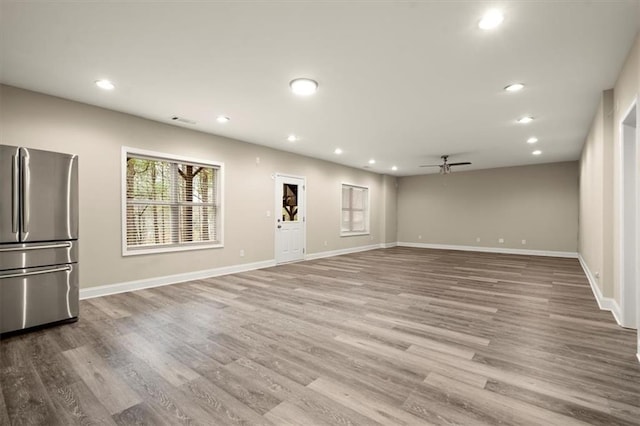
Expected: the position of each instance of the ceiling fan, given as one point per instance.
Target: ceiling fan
(445, 167)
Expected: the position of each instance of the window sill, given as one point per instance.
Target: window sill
(172, 249)
(354, 234)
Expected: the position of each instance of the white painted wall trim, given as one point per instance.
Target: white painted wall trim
(339, 252)
(605, 303)
(389, 245)
(500, 250)
(104, 290)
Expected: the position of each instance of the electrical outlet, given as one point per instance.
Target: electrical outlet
(419, 237)
(242, 253)
(597, 274)
(325, 243)
(268, 213)
(478, 240)
(501, 240)
(524, 242)
(257, 160)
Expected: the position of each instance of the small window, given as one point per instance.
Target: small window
(355, 210)
(170, 203)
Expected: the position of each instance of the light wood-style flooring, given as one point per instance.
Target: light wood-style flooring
(399, 336)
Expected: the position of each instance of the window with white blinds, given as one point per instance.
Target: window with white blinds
(355, 210)
(170, 203)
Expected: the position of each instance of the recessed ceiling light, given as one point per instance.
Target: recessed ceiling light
(372, 161)
(515, 87)
(537, 152)
(491, 20)
(525, 120)
(105, 84)
(303, 86)
(222, 119)
(394, 168)
(532, 139)
(292, 138)
(337, 151)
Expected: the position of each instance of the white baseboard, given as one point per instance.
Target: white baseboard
(331, 253)
(501, 250)
(104, 290)
(605, 303)
(389, 245)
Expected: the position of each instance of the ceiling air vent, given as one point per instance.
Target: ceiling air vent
(182, 120)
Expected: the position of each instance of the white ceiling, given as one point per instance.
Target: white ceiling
(402, 82)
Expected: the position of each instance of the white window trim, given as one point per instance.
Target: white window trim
(367, 215)
(171, 157)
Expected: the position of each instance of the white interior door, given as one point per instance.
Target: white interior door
(290, 218)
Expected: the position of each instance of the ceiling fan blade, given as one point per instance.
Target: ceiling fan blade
(430, 165)
(460, 164)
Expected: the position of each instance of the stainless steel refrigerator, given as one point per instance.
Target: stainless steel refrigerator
(38, 238)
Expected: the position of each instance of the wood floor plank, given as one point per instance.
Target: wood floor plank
(414, 339)
(366, 404)
(288, 414)
(221, 405)
(105, 384)
(140, 414)
(394, 336)
(164, 364)
(316, 403)
(76, 404)
(454, 336)
(503, 409)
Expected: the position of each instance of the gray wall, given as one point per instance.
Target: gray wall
(600, 185)
(97, 136)
(538, 204)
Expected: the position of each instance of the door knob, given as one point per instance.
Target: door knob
(279, 226)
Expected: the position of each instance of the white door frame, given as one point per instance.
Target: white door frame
(629, 221)
(278, 212)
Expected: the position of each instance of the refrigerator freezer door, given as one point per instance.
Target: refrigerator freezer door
(36, 296)
(49, 183)
(9, 203)
(29, 255)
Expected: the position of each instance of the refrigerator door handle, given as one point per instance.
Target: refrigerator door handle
(40, 247)
(27, 274)
(26, 191)
(15, 189)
